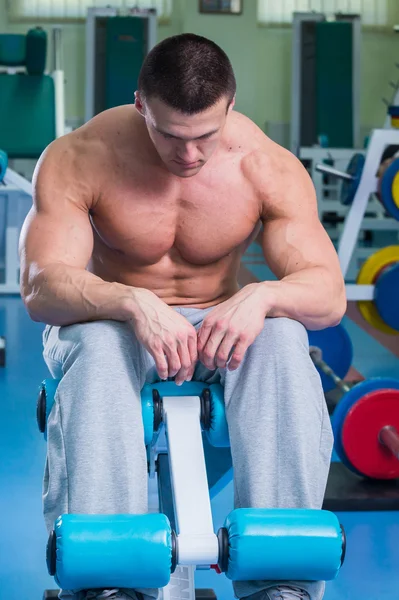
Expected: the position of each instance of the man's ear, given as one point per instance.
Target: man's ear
(232, 103)
(138, 103)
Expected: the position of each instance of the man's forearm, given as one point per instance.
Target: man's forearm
(312, 296)
(63, 295)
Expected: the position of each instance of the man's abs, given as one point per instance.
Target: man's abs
(198, 271)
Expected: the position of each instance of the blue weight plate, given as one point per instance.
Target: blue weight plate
(344, 406)
(386, 189)
(386, 294)
(355, 168)
(337, 350)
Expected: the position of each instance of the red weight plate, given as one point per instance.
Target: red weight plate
(361, 429)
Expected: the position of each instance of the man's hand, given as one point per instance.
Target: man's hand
(169, 338)
(233, 324)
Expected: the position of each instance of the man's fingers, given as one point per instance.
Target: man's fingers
(225, 349)
(238, 354)
(161, 364)
(185, 361)
(207, 355)
(203, 335)
(174, 364)
(193, 348)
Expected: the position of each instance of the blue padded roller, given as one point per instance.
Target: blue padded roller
(218, 434)
(147, 408)
(3, 164)
(46, 400)
(283, 544)
(165, 388)
(107, 551)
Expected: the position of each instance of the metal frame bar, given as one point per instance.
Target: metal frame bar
(296, 80)
(183, 490)
(58, 78)
(356, 72)
(380, 138)
(197, 542)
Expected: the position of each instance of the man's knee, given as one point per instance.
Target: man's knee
(103, 336)
(284, 333)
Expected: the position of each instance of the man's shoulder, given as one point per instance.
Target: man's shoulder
(115, 123)
(256, 147)
(267, 165)
(99, 141)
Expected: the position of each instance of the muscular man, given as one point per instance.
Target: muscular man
(130, 256)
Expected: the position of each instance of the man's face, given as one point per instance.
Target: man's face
(184, 142)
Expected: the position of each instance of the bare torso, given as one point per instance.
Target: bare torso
(182, 238)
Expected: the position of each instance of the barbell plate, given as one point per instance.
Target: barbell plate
(368, 274)
(386, 189)
(395, 189)
(360, 434)
(386, 296)
(337, 351)
(350, 398)
(349, 188)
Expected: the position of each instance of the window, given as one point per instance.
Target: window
(76, 9)
(373, 12)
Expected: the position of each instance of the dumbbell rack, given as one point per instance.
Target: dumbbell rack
(379, 140)
(355, 218)
(332, 212)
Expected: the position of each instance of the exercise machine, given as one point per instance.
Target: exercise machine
(117, 41)
(377, 285)
(325, 84)
(162, 549)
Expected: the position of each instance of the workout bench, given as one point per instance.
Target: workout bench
(163, 548)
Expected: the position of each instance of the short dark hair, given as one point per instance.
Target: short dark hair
(187, 72)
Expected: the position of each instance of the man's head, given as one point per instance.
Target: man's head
(186, 88)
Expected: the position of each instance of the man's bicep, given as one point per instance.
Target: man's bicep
(58, 228)
(293, 243)
(66, 237)
(293, 238)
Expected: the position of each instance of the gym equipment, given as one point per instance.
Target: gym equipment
(335, 347)
(393, 112)
(16, 201)
(117, 42)
(350, 179)
(380, 139)
(31, 100)
(3, 164)
(388, 188)
(2, 351)
(103, 551)
(325, 80)
(366, 423)
(381, 270)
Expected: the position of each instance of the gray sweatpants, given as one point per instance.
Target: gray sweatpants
(280, 433)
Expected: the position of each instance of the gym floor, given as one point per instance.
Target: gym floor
(371, 569)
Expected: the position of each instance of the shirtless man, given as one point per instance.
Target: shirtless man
(130, 256)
